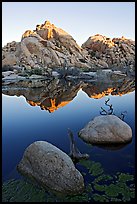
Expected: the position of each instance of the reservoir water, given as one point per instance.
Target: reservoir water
(46, 113)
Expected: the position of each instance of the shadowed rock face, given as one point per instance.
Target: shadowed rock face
(58, 93)
(52, 168)
(48, 47)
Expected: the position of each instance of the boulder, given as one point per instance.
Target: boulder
(98, 43)
(10, 59)
(7, 73)
(107, 129)
(52, 168)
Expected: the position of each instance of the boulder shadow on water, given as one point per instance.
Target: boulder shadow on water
(112, 147)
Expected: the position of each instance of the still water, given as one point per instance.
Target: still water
(30, 115)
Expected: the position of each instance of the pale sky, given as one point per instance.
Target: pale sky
(79, 19)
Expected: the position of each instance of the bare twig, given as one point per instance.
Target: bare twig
(123, 114)
(110, 111)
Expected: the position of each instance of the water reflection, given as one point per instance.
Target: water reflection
(112, 147)
(58, 93)
(23, 124)
(99, 89)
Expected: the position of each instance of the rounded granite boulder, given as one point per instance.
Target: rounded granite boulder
(107, 129)
(52, 168)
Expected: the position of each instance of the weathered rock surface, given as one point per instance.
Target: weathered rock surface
(106, 130)
(52, 168)
(46, 46)
(116, 53)
(50, 47)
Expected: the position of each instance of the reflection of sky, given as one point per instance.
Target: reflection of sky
(23, 124)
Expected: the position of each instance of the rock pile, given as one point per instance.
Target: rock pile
(116, 52)
(48, 47)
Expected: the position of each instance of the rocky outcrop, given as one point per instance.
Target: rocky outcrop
(116, 52)
(48, 47)
(106, 130)
(52, 168)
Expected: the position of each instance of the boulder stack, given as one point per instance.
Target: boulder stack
(50, 47)
(116, 52)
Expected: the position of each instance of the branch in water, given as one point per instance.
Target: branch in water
(123, 114)
(107, 101)
(75, 154)
(103, 110)
(110, 111)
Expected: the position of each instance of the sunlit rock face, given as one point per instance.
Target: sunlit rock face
(52, 168)
(48, 46)
(57, 94)
(98, 43)
(107, 129)
(116, 52)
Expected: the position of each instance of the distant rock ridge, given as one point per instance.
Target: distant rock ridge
(49, 47)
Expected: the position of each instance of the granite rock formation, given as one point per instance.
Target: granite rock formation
(49, 47)
(116, 52)
(46, 46)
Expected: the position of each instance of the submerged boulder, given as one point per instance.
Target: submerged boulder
(52, 168)
(106, 130)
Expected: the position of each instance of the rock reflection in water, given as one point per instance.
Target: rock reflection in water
(58, 93)
(99, 89)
